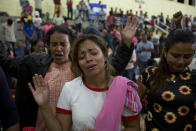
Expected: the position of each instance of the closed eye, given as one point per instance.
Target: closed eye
(188, 56)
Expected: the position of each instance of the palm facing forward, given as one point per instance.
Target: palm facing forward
(128, 32)
(41, 90)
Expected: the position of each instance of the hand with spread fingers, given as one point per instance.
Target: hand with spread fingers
(41, 90)
(128, 32)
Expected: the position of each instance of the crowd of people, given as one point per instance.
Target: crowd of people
(97, 78)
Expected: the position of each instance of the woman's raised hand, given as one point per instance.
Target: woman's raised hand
(128, 32)
(41, 90)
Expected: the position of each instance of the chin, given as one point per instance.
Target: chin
(177, 69)
(59, 61)
(92, 74)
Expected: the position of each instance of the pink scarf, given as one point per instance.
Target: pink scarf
(109, 117)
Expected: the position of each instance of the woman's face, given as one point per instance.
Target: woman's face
(59, 47)
(179, 56)
(91, 59)
(39, 47)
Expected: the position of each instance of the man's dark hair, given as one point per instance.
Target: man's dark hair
(9, 22)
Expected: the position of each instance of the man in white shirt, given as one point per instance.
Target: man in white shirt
(9, 34)
(37, 21)
(58, 20)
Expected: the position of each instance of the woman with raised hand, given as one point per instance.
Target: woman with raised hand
(95, 99)
(55, 67)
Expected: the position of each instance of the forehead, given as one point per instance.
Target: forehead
(182, 48)
(88, 45)
(59, 37)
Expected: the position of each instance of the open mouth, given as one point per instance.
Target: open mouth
(58, 56)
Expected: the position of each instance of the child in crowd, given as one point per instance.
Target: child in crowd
(20, 50)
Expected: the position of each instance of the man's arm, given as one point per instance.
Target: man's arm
(125, 50)
(120, 60)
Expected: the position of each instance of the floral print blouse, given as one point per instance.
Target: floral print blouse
(174, 106)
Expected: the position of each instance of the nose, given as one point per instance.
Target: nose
(180, 61)
(88, 58)
(59, 47)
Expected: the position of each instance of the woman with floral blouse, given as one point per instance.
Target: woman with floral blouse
(171, 87)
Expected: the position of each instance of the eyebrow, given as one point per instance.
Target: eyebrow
(92, 49)
(174, 53)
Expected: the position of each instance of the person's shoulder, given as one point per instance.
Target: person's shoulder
(149, 42)
(37, 58)
(140, 43)
(37, 55)
(76, 81)
(74, 85)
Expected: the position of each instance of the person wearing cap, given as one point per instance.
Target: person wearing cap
(29, 32)
(37, 21)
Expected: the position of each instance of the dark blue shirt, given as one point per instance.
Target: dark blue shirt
(8, 114)
(29, 30)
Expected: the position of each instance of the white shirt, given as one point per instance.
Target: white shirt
(78, 20)
(84, 103)
(155, 39)
(102, 15)
(37, 21)
(9, 34)
(58, 20)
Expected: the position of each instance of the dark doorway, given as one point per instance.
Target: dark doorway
(181, 1)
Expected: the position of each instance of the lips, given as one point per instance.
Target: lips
(58, 56)
(91, 67)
